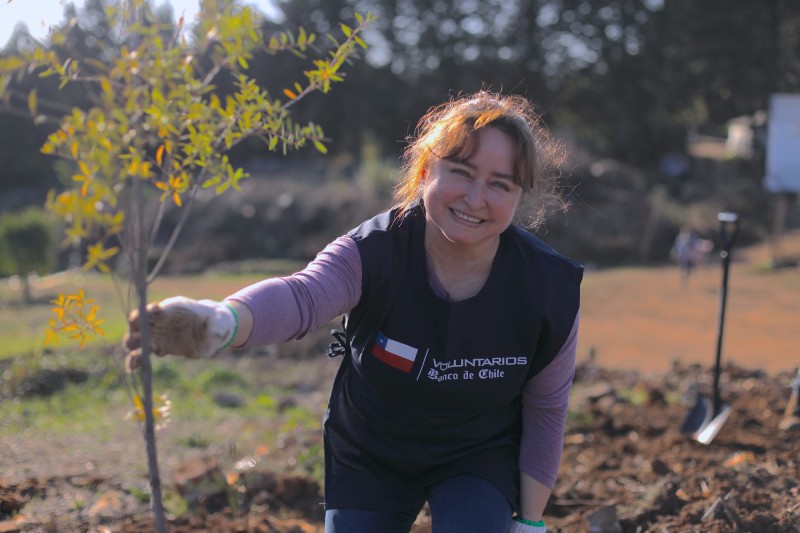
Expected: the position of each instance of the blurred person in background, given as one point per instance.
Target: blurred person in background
(688, 251)
(459, 336)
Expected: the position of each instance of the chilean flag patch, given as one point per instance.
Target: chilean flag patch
(395, 354)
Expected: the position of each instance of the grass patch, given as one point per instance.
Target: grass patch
(634, 396)
(76, 408)
(71, 395)
(216, 378)
(41, 392)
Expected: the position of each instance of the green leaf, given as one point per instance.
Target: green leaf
(321, 148)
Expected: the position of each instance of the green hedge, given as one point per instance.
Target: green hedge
(27, 242)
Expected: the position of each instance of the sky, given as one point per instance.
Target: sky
(39, 15)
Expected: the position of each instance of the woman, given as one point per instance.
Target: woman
(460, 333)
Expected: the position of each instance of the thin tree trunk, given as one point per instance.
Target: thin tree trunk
(139, 274)
(27, 294)
(139, 243)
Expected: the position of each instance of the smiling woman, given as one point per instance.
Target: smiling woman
(460, 334)
(449, 131)
(469, 201)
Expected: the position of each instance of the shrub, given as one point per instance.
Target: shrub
(27, 245)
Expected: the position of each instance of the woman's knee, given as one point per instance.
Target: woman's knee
(467, 504)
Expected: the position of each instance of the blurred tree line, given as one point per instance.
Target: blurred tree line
(629, 79)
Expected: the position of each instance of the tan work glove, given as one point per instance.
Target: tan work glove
(182, 326)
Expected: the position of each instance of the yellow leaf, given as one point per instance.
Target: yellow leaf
(32, 102)
(289, 93)
(160, 155)
(50, 338)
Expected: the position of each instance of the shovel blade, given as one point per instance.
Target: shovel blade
(699, 417)
(707, 434)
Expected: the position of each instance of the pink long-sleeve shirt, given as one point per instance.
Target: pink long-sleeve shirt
(288, 307)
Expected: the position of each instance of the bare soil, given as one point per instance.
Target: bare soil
(646, 352)
(646, 319)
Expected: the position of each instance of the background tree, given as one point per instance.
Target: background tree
(27, 246)
(155, 133)
(628, 78)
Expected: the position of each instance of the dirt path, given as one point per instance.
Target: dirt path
(643, 319)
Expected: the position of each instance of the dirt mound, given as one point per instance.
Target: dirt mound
(629, 453)
(625, 464)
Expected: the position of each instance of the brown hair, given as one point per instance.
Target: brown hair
(450, 130)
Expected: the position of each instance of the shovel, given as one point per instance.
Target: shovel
(709, 414)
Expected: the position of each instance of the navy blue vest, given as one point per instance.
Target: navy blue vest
(431, 388)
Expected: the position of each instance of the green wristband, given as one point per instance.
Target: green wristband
(235, 325)
(540, 523)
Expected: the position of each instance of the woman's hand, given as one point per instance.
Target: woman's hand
(182, 326)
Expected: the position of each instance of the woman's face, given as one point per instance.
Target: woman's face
(471, 201)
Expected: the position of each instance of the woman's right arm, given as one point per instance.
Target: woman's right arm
(285, 308)
(270, 311)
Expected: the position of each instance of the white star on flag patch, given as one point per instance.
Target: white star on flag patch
(395, 354)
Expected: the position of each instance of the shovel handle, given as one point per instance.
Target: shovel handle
(728, 237)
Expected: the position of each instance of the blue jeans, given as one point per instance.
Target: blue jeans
(459, 504)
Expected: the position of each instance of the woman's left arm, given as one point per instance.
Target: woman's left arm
(545, 399)
(533, 497)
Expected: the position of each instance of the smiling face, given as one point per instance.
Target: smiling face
(471, 198)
